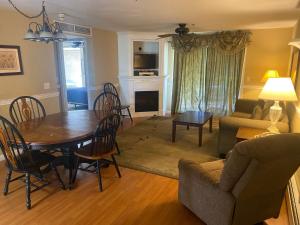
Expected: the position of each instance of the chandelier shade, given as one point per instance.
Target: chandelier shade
(45, 32)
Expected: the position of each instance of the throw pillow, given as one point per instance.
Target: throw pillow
(257, 113)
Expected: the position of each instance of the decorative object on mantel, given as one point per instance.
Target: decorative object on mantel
(44, 32)
(10, 60)
(278, 89)
(269, 74)
(226, 41)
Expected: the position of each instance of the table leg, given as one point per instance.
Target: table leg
(200, 136)
(210, 124)
(69, 163)
(174, 132)
(188, 127)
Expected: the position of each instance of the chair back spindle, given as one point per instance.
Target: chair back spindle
(13, 147)
(110, 88)
(107, 104)
(26, 108)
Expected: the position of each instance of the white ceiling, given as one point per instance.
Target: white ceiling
(163, 15)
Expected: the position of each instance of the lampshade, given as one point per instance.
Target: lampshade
(270, 74)
(279, 89)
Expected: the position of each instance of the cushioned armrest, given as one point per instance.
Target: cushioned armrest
(234, 123)
(197, 171)
(200, 192)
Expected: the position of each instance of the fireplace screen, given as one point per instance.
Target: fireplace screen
(146, 101)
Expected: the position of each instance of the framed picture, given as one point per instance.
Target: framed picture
(294, 69)
(10, 60)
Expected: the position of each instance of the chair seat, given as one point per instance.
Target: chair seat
(87, 152)
(35, 159)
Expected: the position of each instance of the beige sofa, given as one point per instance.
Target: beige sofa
(229, 125)
(243, 189)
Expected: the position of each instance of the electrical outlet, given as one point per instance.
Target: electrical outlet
(46, 86)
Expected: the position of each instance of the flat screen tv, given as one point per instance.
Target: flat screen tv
(145, 61)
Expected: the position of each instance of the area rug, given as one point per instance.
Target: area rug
(148, 147)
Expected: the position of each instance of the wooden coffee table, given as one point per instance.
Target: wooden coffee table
(192, 118)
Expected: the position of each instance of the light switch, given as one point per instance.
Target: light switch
(46, 86)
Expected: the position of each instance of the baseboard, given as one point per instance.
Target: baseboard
(293, 204)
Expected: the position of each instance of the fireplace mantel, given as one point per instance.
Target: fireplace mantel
(129, 83)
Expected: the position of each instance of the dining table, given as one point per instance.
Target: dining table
(63, 131)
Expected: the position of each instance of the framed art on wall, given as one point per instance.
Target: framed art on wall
(10, 60)
(294, 69)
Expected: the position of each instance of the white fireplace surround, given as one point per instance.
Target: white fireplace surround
(129, 83)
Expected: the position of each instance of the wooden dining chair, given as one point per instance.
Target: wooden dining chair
(26, 108)
(102, 145)
(20, 159)
(110, 88)
(107, 104)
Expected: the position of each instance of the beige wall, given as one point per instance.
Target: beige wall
(104, 57)
(268, 50)
(39, 64)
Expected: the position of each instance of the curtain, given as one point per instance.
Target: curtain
(207, 72)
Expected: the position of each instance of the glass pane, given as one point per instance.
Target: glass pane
(73, 67)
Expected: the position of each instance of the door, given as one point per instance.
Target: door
(75, 74)
(72, 72)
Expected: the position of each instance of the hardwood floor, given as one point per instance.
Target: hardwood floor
(137, 198)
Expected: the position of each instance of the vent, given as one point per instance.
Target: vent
(74, 29)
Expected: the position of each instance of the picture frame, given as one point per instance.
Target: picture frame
(10, 60)
(294, 68)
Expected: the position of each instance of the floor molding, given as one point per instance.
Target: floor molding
(293, 205)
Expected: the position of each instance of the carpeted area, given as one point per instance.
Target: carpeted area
(148, 147)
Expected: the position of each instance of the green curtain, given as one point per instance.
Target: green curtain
(207, 77)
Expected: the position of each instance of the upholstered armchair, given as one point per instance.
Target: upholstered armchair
(246, 188)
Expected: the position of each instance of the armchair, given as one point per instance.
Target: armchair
(241, 189)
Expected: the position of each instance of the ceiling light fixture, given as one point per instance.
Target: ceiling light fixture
(45, 32)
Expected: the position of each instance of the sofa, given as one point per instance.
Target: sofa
(241, 190)
(244, 116)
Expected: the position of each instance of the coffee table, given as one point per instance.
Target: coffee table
(192, 118)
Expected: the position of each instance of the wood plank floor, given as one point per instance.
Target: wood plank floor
(137, 198)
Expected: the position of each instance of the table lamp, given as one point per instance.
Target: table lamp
(270, 74)
(277, 89)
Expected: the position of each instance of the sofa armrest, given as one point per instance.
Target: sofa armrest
(196, 171)
(199, 191)
(234, 123)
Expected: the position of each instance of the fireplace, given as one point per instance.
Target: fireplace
(146, 101)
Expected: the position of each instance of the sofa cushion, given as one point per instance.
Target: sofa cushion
(257, 113)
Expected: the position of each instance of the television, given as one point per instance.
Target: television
(145, 61)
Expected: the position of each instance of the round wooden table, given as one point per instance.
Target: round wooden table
(61, 130)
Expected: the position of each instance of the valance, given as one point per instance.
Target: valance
(229, 42)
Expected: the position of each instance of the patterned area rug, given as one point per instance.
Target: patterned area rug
(148, 147)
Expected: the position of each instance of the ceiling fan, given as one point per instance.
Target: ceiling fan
(181, 30)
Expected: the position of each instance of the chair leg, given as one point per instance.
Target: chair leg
(76, 169)
(7, 180)
(99, 176)
(129, 115)
(116, 165)
(58, 176)
(117, 147)
(27, 181)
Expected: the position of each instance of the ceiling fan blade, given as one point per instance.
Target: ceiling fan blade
(165, 35)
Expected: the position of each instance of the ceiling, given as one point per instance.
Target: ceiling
(163, 15)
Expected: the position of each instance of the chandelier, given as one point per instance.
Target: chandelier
(45, 32)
